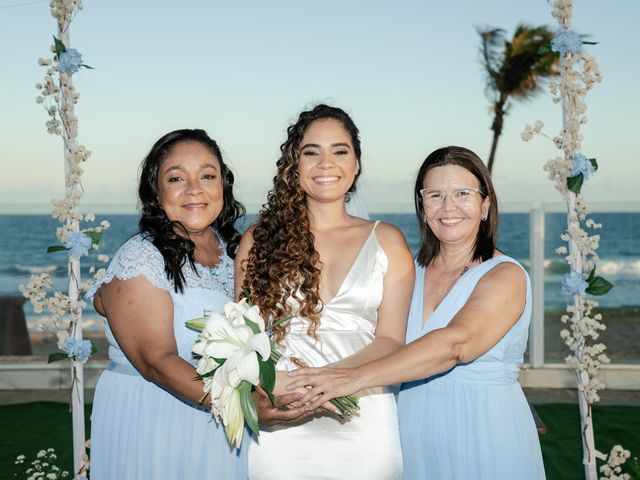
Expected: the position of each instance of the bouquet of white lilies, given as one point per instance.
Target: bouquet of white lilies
(237, 354)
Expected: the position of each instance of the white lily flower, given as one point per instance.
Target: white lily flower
(253, 314)
(233, 418)
(234, 311)
(223, 337)
(230, 354)
(244, 364)
(198, 348)
(206, 365)
(220, 393)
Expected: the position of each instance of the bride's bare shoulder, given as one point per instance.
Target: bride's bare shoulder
(390, 234)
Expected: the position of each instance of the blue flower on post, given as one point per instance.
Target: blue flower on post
(77, 349)
(583, 165)
(78, 244)
(566, 41)
(574, 284)
(70, 61)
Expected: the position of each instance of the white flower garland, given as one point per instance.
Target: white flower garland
(58, 97)
(579, 72)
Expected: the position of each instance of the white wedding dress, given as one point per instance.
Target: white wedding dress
(366, 445)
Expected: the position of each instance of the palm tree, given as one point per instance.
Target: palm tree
(514, 69)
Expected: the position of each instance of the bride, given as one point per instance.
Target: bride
(346, 281)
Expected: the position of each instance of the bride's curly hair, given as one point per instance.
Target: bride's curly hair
(283, 261)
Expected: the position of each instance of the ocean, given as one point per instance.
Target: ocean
(24, 240)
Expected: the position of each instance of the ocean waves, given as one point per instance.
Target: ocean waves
(626, 268)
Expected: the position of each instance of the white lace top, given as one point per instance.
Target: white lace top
(204, 289)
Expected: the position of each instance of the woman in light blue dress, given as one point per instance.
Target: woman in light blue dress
(462, 412)
(147, 420)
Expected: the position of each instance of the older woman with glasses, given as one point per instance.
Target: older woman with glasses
(462, 412)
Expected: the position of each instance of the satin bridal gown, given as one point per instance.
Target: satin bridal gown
(366, 445)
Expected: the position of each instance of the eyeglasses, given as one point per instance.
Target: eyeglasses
(460, 196)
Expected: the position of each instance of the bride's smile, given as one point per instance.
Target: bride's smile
(328, 165)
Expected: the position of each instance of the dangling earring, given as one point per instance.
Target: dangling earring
(485, 215)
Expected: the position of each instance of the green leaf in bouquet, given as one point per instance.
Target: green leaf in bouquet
(56, 248)
(94, 349)
(575, 183)
(196, 324)
(280, 322)
(275, 354)
(56, 357)
(209, 374)
(248, 406)
(594, 163)
(598, 286)
(252, 325)
(346, 405)
(268, 377)
(247, 295)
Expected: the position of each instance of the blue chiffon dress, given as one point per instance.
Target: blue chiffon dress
(472, 422)
(139, 430)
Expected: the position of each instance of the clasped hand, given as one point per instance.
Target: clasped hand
(296, 399)
(322, 384)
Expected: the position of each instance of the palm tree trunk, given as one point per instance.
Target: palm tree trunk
(496, 126)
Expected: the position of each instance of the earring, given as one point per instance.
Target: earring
(484, 217)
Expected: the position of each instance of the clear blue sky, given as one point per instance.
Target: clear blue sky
(407, 71)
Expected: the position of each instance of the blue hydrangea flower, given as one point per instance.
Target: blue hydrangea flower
(581, 164)
(77, 349)
(573, 284)
(566, 41)
(78, 244)
(70, 61)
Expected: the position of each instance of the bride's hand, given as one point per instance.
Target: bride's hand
(282, 380)
(323, 384)
(284, 394)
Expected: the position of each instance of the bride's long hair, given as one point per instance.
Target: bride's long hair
(283, 261)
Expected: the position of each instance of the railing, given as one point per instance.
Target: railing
(544, 359)
(624, 371)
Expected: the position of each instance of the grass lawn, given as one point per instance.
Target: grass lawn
(27, 428)
(561, 447)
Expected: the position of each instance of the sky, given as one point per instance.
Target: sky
(407, 71)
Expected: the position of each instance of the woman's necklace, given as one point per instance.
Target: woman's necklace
(213, 271)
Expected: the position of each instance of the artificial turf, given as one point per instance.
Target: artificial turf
(561, 445)
(27, 428)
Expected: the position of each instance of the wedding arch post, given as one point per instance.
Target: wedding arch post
(579, 72)
(58, 96)
(67, 101)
